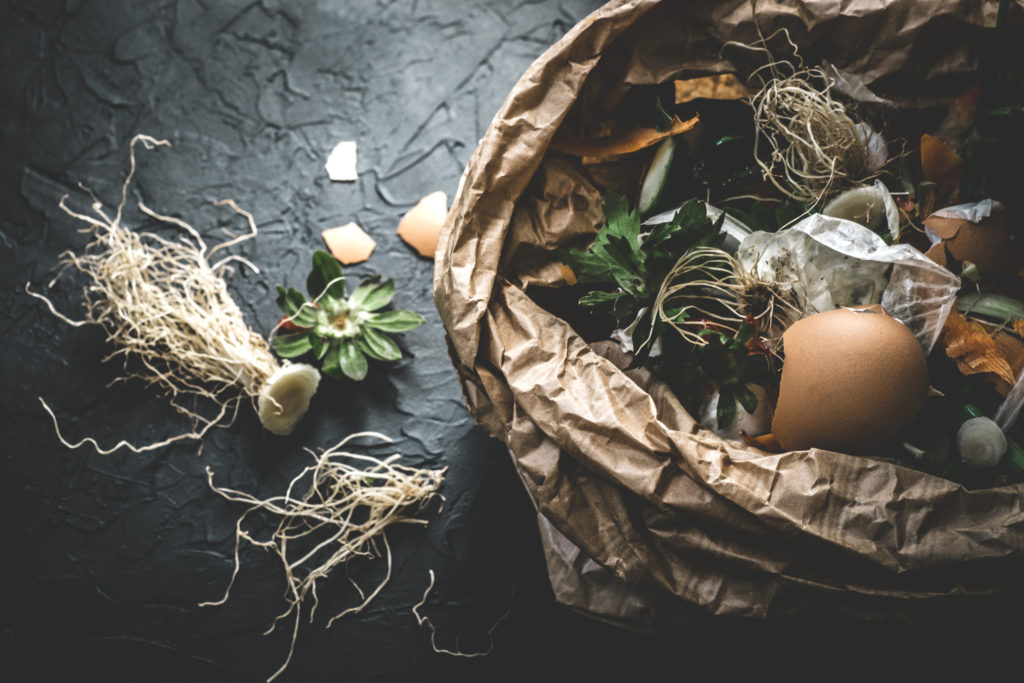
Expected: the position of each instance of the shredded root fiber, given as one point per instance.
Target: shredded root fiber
(815, 146)
(349, 503)
(423, 620)
(739, 295)
(164, 304)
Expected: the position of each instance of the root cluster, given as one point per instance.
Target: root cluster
(164, 303)
(710, 287)
(815, 146)
(348, 503)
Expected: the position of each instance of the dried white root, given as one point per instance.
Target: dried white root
(815, 147)
(421, 620)
(350, 501)
(164, 303)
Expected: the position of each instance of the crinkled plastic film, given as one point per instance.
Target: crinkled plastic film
(835, 262)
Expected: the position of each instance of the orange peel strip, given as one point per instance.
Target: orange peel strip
(611, 146)
(973, 350)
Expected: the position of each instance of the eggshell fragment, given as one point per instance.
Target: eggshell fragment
(852, 378)
(940, 164)
(420, 228)
(349, 243)
(341, 164)
(986, 244)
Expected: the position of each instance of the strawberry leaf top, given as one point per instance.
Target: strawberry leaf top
(342, 333)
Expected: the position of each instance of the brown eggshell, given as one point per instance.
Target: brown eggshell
(349, 243)
(986, 244)
(850, 381)
(421, 226)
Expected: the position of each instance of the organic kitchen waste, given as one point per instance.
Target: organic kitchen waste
(790, 206)
(733, 281)
(164, 306)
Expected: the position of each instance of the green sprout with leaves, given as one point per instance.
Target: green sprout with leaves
(732, 362)
(343, 333)
(628, 262)
(674, 276)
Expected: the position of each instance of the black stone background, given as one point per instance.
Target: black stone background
(107, 556)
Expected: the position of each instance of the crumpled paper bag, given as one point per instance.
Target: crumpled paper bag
(646, 518)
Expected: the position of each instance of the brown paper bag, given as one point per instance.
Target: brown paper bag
(646, 517)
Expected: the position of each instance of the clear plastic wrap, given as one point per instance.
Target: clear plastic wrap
(832, 262)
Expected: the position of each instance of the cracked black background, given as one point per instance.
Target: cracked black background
(107, 556)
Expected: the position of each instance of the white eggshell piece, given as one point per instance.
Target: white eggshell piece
(341, 164)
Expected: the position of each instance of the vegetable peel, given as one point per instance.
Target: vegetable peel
(595, 150)
(973, 350)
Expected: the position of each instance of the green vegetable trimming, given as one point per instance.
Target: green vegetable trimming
(342, 332)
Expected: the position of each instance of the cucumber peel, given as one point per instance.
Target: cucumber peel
(656, 178)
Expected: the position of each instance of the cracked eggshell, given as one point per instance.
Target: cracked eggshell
(852, 378)
(869, 205)
(341, 163)
(420, 228)
(986, 243)
(349, 243)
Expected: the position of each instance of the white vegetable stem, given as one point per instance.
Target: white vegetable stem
(981, 442)
(285, 397)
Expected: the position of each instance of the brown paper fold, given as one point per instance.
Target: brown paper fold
(646, 518)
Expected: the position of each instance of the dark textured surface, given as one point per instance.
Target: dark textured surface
(106, 557)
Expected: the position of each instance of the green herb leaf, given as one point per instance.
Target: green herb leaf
(395, 321)
(726, 411)
(352, 360)
(627, 266)
(332, 360)
(746, 398)
(325, 275)
(295, 300)
(319, 345)
(378, 346)
(744, 334)
(372, 294)
(600, 301)
(284, 303)
(292, 345)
